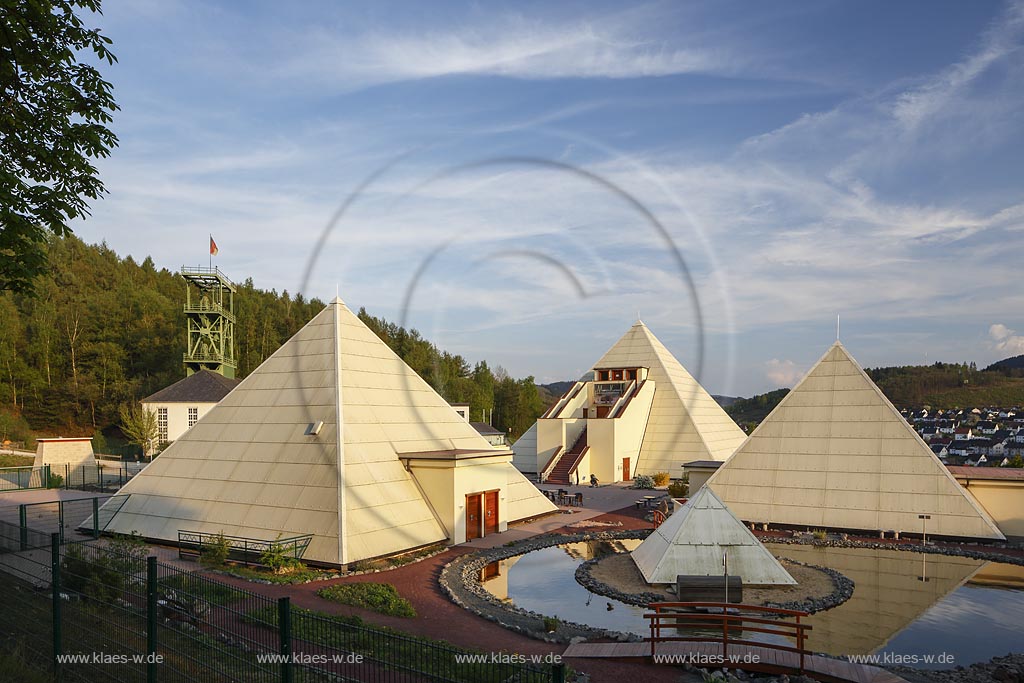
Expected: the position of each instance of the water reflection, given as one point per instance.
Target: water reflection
(905, 603)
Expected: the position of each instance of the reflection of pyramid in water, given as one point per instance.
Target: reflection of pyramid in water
(888, 595)
(836, 453)
(255, 467)
(692, 542)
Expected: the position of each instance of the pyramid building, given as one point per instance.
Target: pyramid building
(333, 436)
(835, 453)
(694, 540)
(641, 413)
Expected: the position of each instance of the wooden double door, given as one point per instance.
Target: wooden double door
(481, 514)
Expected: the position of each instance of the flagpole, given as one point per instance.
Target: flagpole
(211, 252)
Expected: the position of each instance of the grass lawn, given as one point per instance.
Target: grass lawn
(7, 460)
(380, 597)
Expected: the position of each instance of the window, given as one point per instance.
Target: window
(161, 424)
(193, 416)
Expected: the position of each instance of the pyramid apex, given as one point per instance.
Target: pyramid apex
(336, 301)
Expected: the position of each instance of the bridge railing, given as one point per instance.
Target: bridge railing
(727, 624)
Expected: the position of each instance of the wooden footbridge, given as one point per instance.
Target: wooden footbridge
(715, 635)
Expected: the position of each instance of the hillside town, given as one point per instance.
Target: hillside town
(972, 437)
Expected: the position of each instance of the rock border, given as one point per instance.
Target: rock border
(842, 590)
(460, 580)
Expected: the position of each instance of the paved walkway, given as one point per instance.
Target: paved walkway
(596, 502)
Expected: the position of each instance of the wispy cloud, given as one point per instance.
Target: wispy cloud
(510, 45)
(1006, 340)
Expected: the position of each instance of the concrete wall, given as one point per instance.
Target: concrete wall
(1003, 500)
(71, 451)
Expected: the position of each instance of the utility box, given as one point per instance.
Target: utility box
(708, 588)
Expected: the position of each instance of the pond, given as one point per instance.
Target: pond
(954, 610)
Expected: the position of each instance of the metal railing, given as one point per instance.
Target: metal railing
(546, 472)
(240, 549)
(23, 478)
(731, 621)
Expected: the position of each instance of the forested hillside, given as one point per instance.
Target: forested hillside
(105, 330)
(941, 385)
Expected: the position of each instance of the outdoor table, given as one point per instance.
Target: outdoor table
(648, 500)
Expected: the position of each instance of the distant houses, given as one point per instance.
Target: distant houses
(991, 436)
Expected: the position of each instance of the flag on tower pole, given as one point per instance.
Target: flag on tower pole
(213, 250)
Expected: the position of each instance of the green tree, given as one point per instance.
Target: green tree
(54, 114)
(139, 425)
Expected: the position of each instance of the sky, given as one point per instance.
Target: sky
(521, 181)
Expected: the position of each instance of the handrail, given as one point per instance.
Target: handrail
(192, 543)
(546, 472)
(624, 398)
(677, 620)
(563, 400)
(639, 388)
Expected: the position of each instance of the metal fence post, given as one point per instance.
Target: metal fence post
(96, 517)
(284, 628)
(46, 474)
(151, 580)
(23, 523)
(60, 518)
(56, 609)
(558, 673)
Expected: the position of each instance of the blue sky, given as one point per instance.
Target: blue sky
(531, 176)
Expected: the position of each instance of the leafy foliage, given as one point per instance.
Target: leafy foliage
(106, 330)
(55, 112)
(643, 481)
(277, 559)
(379, 597)
(661, 478)
(140, 427)
(214, 554)
(679, 489)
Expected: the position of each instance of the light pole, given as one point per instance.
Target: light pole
(725, 563)
(924, 528)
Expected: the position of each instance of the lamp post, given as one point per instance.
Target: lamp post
(725, 563)
(924, 528)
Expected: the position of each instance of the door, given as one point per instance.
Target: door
(491, 512)
(473, 527)
(625, 470)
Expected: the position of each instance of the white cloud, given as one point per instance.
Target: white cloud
(782, 373)
(513, 46)
(1006, 340)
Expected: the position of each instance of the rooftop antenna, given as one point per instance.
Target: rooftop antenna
(837, 327)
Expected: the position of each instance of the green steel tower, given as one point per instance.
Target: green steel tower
(210, 314)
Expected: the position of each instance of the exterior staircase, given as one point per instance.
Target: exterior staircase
(565, 466)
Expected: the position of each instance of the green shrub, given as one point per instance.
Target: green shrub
(379, 597)
(661, 478)
(678, 489)
(55, 481)
(819, 534)
(551, 624)
(643, 481)
(94, 576)
(214, 553)
(277, 559)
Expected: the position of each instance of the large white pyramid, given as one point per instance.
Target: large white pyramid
(695, 537)
(836, 453)
(260, 465)
(685, 422)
